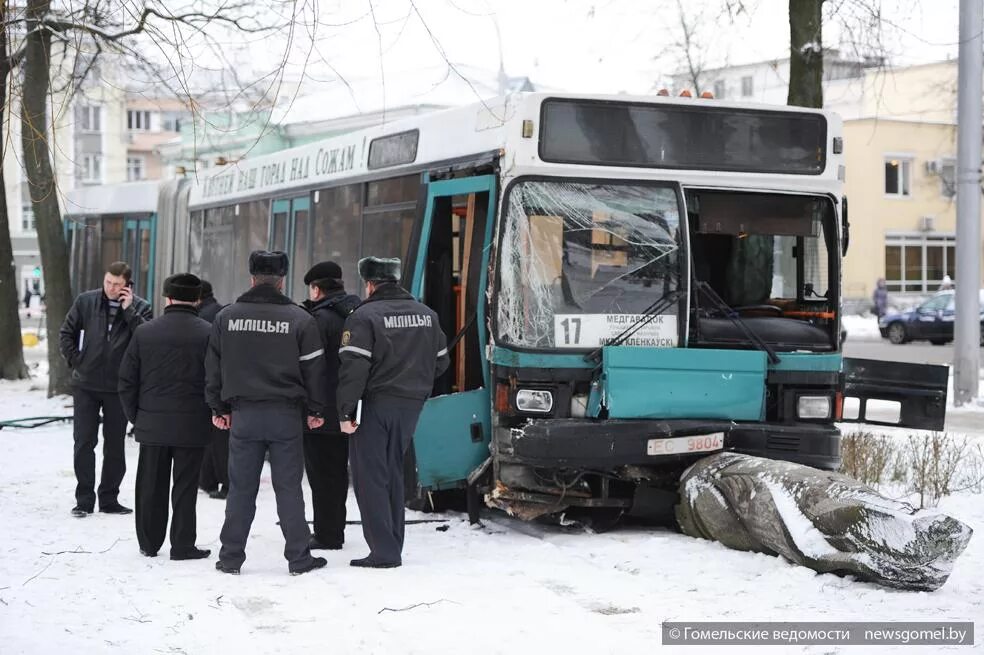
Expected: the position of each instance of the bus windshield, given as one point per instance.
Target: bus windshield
(580, 261)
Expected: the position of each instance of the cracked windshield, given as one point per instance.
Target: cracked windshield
(580, 262)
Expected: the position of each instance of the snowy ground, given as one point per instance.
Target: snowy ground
(505, 587)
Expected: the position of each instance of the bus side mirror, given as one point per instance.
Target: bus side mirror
(845, 229)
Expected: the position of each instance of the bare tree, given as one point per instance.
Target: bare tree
(12, 366)
(690, 46)
(104, 26)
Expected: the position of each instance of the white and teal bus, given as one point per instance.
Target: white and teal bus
(628, 284)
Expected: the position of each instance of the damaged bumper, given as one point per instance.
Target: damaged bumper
(603, 444)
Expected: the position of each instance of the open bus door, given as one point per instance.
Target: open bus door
(897, 394)
(450, 274)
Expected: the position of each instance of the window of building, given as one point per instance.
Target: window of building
(948, 178)
(90, 169)
(137, 120)
(898, 177)
(135, 169)
(28, 224)
(171, 122)
(719, 89)
(89, 118)
(747, 86)
(917, 263)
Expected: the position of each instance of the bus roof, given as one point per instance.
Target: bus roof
(417, 143)
(125, 198)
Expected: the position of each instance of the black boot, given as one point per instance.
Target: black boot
(192, 553)
(115, 508)
(220, 494)
(315, 563)
(369, 563)
(317, 544)
(226, 568)
(81, 512)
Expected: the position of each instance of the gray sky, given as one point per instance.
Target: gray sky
(577, 45)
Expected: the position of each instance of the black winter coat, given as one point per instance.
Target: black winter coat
(92, 350)
(162, 380)
(263, 347)
(330, 312)
(209, 308)
(392, 346)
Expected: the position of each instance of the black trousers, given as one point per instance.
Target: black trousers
(258, 429)
(154, 470)
(377, 450)
(215, 463)
(85, 429)
(326, 463)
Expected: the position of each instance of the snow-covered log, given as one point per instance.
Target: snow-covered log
(818, 519)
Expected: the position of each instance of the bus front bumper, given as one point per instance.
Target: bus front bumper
(605, 444)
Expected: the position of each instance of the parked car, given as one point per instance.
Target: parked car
(931, 321)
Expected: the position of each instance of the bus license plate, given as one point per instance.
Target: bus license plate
(684, 445)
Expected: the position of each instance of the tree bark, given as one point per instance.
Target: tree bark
(12, 366)
(43, 188)
(805, 53)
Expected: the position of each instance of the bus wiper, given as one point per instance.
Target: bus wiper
(663, 303)
(711, 294)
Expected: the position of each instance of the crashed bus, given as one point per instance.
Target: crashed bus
(627, 285)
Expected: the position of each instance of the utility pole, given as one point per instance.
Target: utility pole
(967, 334)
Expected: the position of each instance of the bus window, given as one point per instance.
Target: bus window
(591, 256)
(337, 230)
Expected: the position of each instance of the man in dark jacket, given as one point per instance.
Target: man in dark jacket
(392, 350)
(93, 338)
(265, 365)
(162, 388)
(326, 449)
(214, 477)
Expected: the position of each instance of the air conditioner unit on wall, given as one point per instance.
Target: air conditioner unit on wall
(927, 223)
(933, 167)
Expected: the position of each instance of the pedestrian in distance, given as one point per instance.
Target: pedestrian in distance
(265, 370)
(326, 449)
(93, 338)
(214, 479)
(391, 352)
(880, 298)
(162, 388)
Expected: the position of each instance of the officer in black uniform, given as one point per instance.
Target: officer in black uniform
(326, 449)
(265, 364)
(214, 478)
(391, 351)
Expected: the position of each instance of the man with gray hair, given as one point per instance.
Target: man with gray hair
(391, 351)
(264, 370)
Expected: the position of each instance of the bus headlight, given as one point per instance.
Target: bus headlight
(813, 407)
(534, 400)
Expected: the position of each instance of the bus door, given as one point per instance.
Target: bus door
(290, 232)
(450, 274)
(138, 251)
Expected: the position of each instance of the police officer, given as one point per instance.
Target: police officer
(214, 477)
(93, 338)
(391, 351)
(265, 364)
(162, 388)
(326, 449)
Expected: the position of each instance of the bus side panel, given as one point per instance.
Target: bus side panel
(446, 456)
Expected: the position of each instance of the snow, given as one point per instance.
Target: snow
(509, 586)
(804, 534)
(860, 327)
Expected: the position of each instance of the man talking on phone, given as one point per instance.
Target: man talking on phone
(93, 338)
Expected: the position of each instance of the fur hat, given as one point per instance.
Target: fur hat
(263, 262)
(323, 271)
(207, 289)
(379, 269)
(183, 286)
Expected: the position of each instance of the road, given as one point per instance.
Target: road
(916, 352)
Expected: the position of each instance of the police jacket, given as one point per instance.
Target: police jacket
(263, 347)
(162, 380)
(92, 347)
(209, 308)
(330, 313)
(392, 346)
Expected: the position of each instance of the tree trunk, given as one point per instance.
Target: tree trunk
(805, 53)
(43, 188)
(12, 366)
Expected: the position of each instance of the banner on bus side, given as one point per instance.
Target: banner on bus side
(596, 330)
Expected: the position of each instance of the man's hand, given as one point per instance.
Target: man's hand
(126, 297)
(222, 421)
(348, 427)
(315, 422)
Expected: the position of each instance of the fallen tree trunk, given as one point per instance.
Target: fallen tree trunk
(825, 521)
